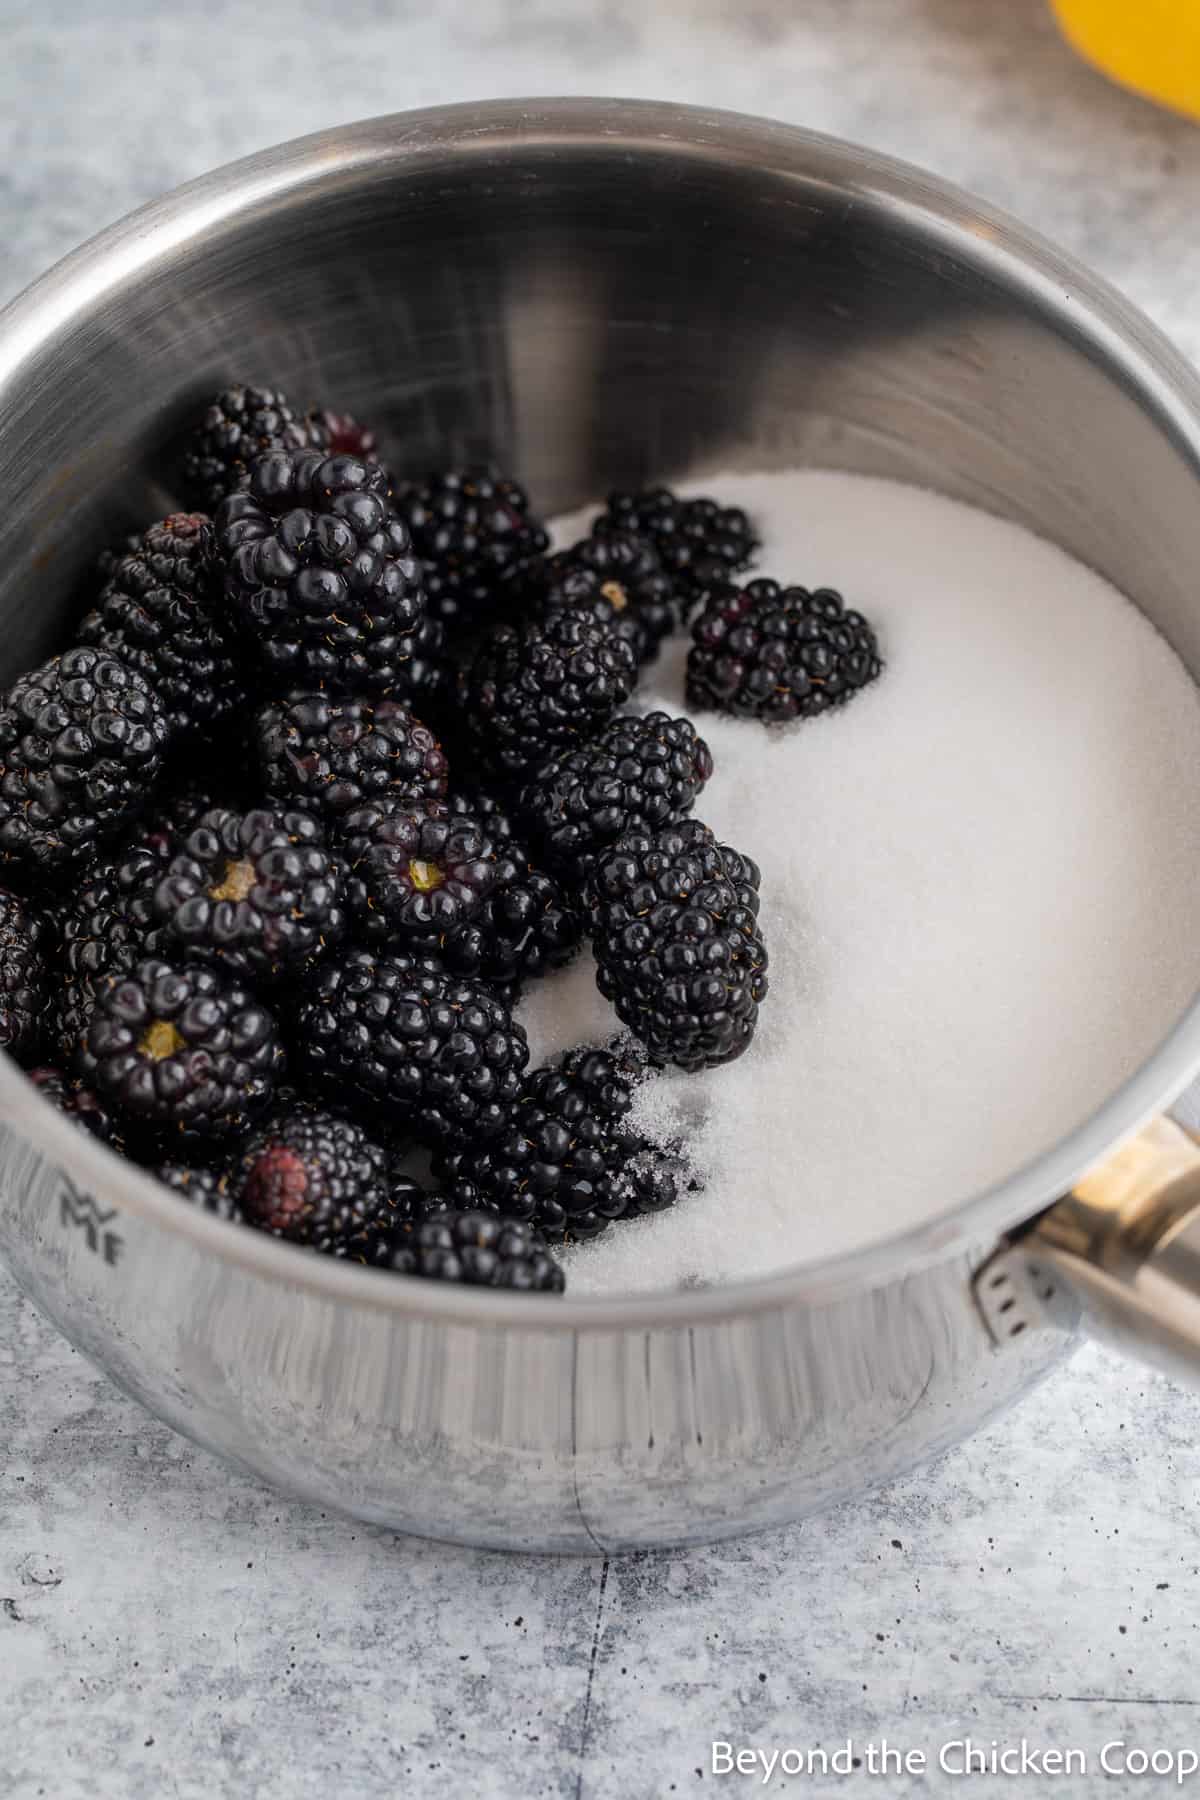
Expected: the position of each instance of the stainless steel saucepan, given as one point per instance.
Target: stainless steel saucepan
(601, 292)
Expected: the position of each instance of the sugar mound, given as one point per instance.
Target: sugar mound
(980, 892)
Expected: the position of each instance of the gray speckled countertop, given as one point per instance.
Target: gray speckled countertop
(169, 1628)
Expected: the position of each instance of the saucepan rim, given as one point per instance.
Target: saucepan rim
(937, 214)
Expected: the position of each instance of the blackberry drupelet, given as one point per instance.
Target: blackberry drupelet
(209, 1189)
(475, 536)
(638, 774)
(105, 927)
(412, 1043)
(24, 977)
(700, 543)
(417, 871)
(477, 1250)
(568, 1162)
(82, 740)
(774, 653)
(543, 686)
(157, 612)
(258, 893)
(182, 1049)
(240, 424)
(616, 578)
(328, 756)
(319, 1180)
(83, 1107)
(319, 573)
(678, 948)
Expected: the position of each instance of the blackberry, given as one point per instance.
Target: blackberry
(240, 424)
(415, 1044)
(638, 774)
(257, 892)
(618, 579)
(105, 928)
(318, 1180)
(543, 686)
(208, 1189)
(678, 948)
(700, 543)
(478, 1250)
(181, 1048)
(340, 434)
(23, 975)
(568, 1162)
(319, 572)
(773, 653)
(83, 1107)
(417, 871)
(156, 612)
(328, 756)
(81, 740)
(475, 536)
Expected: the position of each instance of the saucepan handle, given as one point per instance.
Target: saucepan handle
(1123, 1246)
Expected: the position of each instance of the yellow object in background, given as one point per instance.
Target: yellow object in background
(1152, 46)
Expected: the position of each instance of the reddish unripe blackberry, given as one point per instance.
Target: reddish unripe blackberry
(320, 1180)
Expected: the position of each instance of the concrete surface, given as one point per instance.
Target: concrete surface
(169, 1629)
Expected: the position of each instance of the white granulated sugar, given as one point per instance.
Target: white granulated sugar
(979, 889)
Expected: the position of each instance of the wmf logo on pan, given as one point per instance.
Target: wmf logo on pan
(86, 1215)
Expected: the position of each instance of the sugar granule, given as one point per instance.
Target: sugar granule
(980, 892)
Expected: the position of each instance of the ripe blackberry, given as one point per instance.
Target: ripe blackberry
(319, 572)
(678, 948)
(318, 1180)
(568, 1162)
(328, 756)
(700, 543)
(240, 423)
(83, 1107)
(417, 1045)
(181, 1048)
(23, 975)
(477, 1250)
(475, 535)
(618, 579)
(256, 892)
(528, 925)
(417, 871)
(638, 774)
(81, 741)
(105, 928)
(772, 653)
(208, 1189)
(156, 612)
(543, 686)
